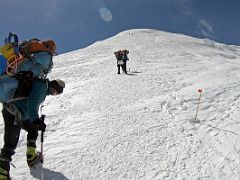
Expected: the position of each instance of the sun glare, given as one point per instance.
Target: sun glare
(105, 14)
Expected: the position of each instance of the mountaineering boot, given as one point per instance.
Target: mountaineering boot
(4, 175)
(4, 169)
(33, 157)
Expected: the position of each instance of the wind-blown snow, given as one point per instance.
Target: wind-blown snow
(141, 125)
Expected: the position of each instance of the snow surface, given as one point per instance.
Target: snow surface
(142, 125)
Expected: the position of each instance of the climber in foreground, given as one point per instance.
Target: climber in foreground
(24, 86)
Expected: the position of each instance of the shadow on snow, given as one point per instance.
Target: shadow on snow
(47, 174)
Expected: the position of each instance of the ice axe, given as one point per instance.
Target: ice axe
(42, 138)
(42, 133)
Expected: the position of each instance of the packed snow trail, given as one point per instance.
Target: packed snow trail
(137, 126)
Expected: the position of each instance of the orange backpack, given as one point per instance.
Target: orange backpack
(27, 48)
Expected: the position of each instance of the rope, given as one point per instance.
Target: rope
(13, 63)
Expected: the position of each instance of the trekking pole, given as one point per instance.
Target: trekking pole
(200, 95)
(42, 136)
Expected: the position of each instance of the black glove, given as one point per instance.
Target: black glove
(39, 123)
(24, 75)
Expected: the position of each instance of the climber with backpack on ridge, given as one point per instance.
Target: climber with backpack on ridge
(24, 69)
(122, 59)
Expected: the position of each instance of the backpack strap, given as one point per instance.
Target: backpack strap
(45, 71)
(12, 109)
(16, 99)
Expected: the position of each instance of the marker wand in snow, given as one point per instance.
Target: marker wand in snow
(198, 105)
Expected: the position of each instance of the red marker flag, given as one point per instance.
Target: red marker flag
(199, 90)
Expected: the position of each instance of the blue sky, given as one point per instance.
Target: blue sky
(75, 24)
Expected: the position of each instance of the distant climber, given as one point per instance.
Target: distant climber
(122, 59)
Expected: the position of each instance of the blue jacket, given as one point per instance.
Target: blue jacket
(7, 88)
(29, 107)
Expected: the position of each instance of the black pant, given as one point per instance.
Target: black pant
(124, 67)
(11, 134)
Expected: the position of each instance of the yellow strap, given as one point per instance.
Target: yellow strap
(3, 172)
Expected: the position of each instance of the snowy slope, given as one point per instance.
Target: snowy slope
(141, 125)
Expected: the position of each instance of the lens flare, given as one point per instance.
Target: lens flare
(105, 14)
